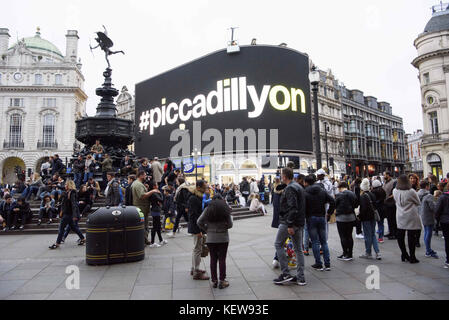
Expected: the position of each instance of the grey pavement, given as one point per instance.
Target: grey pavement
(29, 270)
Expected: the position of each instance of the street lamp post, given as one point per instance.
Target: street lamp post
(314, 78)
(195, 154)
(326, 130)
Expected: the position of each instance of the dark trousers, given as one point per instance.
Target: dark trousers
(391, 218)
(358, 226)
(13, 216)
(180, 212)
(345, 232)
(218, 252)
(445, 229)
(156, 229)
(104, 181)
(67, 230)
(84, 209)
(412, 237)
(68, 221)
(51, 213)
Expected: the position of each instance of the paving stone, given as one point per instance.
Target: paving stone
(23, 274)
(159, 292)
(267, 290)
(8, 287)
(32, 296)
(398, 291)
(154, 277)
(75, 294)
(109, 295)
(41, 284)
(193, 294)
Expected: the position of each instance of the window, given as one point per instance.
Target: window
(38, 79)
(16, 102)
(426, 78)
(49, 130)
(433, 117)
(15, 130)
(50, 102)
(58, 79)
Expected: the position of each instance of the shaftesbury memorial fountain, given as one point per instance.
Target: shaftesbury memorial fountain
(115, 134)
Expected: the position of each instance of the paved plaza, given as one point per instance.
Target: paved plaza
(29, 270)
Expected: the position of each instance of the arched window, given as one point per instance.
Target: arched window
(15, 130)
(227, 165)
(248, 164)
(48, 135)
(304, 165)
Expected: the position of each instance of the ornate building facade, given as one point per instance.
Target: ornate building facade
(41, 96)
(374, 137)
(414, 158)
(432, 62)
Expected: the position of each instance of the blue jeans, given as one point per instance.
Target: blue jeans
(369, 233)
(28, 192)
(78, 179)
(68, 221)
(281, 237)
(380, 228)
(428, 238)
(317, 232)
(87, 176)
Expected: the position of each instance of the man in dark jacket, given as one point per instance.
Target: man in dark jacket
(442, 217)
(112, 192)
(56, 165)
(316, 200)
(78, 171)
(195, 209)
(128, 191)
(7, 207)
(291, 224)
(127, 165)
(244, 189)
(181, 197)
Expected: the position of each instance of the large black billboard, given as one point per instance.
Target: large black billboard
(255, 100)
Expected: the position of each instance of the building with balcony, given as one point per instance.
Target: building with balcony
(374, 137)
(331, 119)
(414, 154)
(432, 62)
(41, 96)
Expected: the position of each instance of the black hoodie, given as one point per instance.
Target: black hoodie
(316, 199)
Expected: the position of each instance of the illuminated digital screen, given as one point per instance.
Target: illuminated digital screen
(256, 100)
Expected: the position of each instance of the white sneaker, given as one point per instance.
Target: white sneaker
(155, 245)
(163, 242)
(359, 236)
(276, 264)
(171, 235)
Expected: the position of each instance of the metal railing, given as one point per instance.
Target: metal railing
(13, 145)
(47, 145)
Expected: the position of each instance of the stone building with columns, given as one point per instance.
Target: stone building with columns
(433, 66)
(41, 96)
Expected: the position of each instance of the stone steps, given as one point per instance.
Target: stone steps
(238, 213)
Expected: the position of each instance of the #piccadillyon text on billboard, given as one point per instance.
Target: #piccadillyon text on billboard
(257, 100)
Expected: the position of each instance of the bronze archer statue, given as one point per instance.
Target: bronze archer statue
(105, 43)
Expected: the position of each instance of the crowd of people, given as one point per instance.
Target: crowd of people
(303, 206)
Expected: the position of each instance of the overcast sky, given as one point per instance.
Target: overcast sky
(367, 44)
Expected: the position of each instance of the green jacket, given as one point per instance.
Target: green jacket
(106, 165)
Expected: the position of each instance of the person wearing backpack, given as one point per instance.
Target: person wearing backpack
(368, 219)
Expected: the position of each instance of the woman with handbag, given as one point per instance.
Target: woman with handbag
(216, 220)
(368, 216)
(407, 216)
